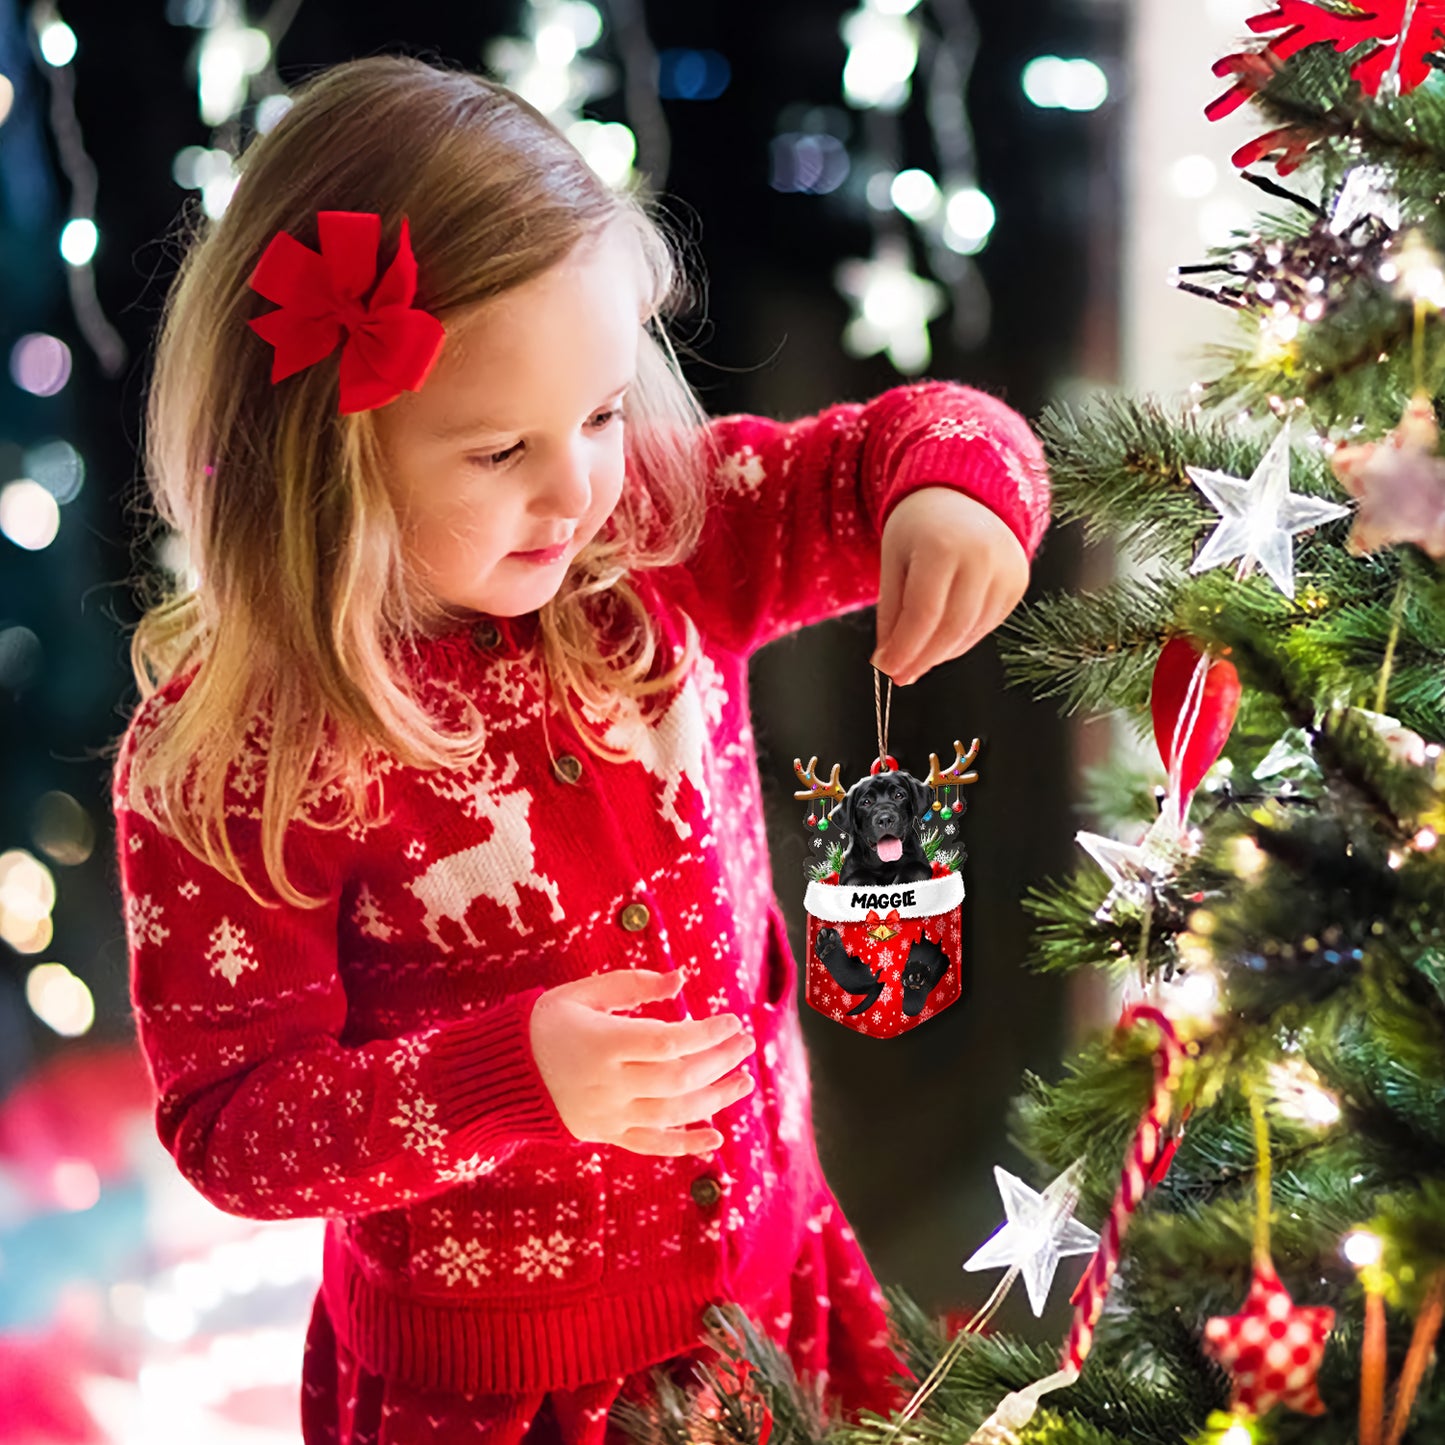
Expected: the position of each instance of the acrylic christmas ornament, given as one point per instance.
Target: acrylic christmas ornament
(884, 949)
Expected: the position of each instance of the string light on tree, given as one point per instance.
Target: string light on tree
(1416, 271)
(547, 66)
(610, 148)
(60, 999)
(56, 45)
(916, 194)
(968, 218)
(1299, 1093)
(235, 64)
(78, 241)
(210, 171)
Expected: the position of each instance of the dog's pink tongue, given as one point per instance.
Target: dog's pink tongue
(890, 850)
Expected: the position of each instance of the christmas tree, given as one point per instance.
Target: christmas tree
(1260, 1143)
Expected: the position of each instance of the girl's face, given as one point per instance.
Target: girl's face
(513, 446)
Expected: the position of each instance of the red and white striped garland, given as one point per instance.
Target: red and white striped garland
(1148, 1159)
(1138, 1174)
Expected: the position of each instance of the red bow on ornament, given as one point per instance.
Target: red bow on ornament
(882, 929)
(390, 347)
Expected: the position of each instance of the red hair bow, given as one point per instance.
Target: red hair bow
(390, 345)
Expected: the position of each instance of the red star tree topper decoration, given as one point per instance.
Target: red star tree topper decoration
(1295, 24)
(1272, 1348)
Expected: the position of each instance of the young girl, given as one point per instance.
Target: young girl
(439, 824)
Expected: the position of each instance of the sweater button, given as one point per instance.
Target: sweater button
(706, 1191)
(486, 634)
(568, 768)
(634, 917)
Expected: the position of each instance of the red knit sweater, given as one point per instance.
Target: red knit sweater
(369, 1061)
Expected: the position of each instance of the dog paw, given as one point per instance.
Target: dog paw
(827, 943)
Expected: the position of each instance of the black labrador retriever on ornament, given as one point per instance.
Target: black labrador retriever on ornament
(881, 815)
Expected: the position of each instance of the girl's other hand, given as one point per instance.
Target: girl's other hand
(633, 1082)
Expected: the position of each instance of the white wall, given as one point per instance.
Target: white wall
(1169, 145)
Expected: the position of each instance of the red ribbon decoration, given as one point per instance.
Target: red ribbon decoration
(910, 928)
(390, 347)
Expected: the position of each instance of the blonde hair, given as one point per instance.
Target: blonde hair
(302, 592)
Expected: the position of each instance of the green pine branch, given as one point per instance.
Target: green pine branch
(1094, 651)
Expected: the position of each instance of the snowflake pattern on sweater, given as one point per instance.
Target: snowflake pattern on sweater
(369, 1061)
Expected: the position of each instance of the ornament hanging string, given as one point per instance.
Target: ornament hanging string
(1184, 726)
(1390, 82)
(882, 715)
(1297, 1333)
(1263, 1188)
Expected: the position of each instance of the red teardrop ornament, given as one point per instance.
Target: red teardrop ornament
(1217, 708)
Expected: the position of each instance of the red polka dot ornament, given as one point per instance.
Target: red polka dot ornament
(1272, 1348)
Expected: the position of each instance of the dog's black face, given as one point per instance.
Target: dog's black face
(880, 815)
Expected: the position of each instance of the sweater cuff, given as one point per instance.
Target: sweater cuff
(484, 1079)
(976, 470)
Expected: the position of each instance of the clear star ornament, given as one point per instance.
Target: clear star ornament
(1039, 1231)
(1291, 753)
(1135, 869)
(1260, 516)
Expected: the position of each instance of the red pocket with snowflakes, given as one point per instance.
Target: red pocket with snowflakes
(881, 960)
